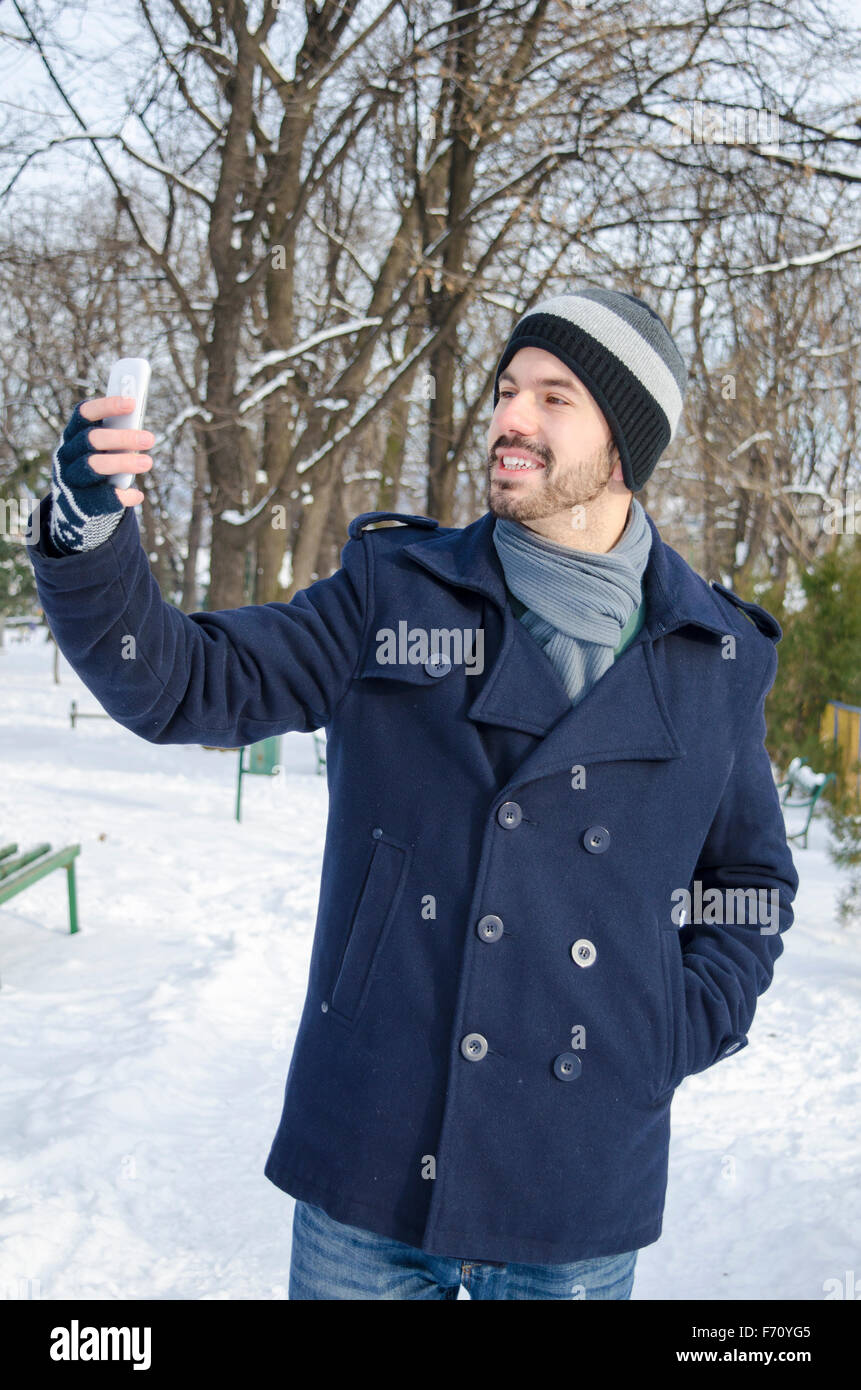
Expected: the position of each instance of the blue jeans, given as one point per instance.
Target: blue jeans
(333, 1261)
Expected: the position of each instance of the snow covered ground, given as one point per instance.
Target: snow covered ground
(143, 1060)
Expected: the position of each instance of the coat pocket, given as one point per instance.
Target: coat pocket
(675, 1051)
(377, 904)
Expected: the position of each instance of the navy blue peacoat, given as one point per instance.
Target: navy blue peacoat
(508, 981)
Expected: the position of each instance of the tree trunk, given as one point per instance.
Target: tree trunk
(312, 524)
(396, 435)
(442, 464)
(442, 468)
(227, 562)
(270, 547)
(189, 601)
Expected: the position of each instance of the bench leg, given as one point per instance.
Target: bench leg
(73, 899)
(807, 826)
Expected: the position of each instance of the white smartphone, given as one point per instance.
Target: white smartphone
(129, 377)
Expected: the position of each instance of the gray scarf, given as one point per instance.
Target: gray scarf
(577, 601)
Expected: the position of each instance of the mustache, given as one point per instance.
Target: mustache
(502, 444)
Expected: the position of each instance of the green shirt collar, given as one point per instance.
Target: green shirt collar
(631, 628)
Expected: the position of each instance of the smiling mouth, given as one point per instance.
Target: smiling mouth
(516, 463)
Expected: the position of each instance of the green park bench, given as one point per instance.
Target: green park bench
(802, 787)
(75, 713)
(19, 871)
(263, 760)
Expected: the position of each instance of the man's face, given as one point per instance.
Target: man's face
(546, 416)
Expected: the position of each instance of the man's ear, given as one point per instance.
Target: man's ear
(616, 461)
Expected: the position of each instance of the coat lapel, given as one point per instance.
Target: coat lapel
(522, 690)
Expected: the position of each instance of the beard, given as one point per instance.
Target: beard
(558, 490)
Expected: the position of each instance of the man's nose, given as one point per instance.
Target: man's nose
(517, 415)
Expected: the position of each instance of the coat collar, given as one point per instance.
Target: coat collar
(522, 689)
(674, 593)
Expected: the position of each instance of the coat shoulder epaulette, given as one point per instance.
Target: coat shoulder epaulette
(358, 524)
(753, 611)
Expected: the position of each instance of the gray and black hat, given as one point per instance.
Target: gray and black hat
(622, 352)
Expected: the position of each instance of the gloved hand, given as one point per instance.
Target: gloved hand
(85, 507)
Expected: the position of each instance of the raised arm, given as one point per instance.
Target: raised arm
(226, 678)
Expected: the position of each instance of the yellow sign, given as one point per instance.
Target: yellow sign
(841, 724)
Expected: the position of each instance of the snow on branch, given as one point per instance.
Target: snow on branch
(759, 438)
(773, 267)
(339, 241)
(234, 518)
(190, 412)
(274, 70)
(266, 390)
(168, 173)
(271, 359)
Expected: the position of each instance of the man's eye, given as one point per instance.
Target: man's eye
(560, 399)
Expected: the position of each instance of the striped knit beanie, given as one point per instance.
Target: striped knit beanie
(621, 351)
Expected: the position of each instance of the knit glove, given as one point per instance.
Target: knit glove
(85, 509)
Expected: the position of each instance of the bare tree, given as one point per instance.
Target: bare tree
(383, 187)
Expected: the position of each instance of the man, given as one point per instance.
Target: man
(555, 874)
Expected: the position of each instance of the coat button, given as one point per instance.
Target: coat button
(438, 664)
(567, 1066)
(376, 833)
(596, 839)
(509, 815)
(474, 1047)
(583, 952)
(489, 928)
